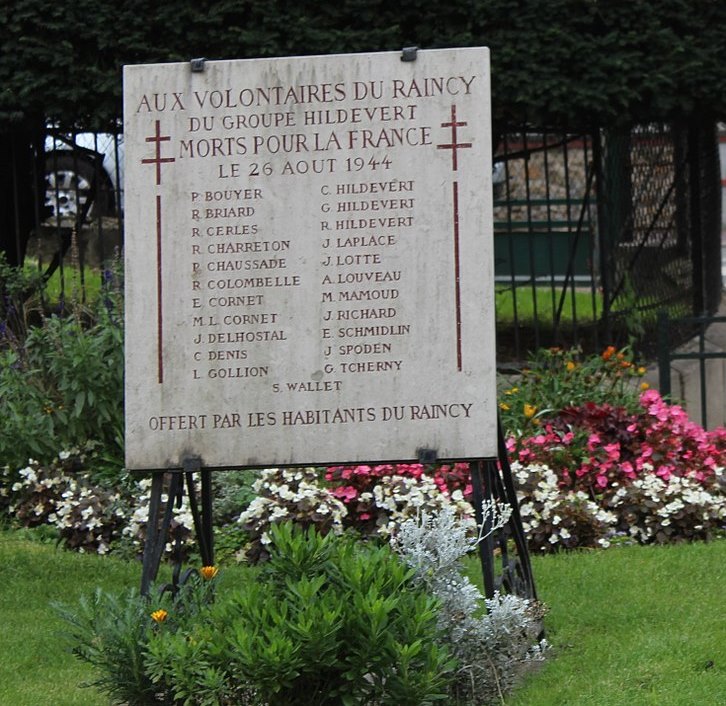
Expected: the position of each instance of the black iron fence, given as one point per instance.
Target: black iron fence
(706, 383)
(594, 232)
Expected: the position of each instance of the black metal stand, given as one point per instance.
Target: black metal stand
(160, 516)
(491, 479)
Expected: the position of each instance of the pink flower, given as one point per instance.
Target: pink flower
(664, 472)
(612, 450)
(346, 493)
(362, 470)
(593, 440)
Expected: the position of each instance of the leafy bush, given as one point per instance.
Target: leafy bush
(113, 633)
(327, 621)
(492, 647)
(555, 379)
(61, 385)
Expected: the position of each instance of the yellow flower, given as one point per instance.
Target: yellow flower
(529, 410)
(644, 385)
(570, 366)
(504, 406)
(159, 616)
(641, 370)
(208, 572)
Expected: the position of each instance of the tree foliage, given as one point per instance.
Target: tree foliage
(553, 61)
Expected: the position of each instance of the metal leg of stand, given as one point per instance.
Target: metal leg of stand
(492, 479)
(157, 532)
(203, 523)
(486, 546)
(148, 571)
(524, 567)
(156, 535)
(207, 518)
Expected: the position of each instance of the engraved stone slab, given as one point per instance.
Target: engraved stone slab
(309, 272)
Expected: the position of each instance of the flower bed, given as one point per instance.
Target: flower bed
(597, 456)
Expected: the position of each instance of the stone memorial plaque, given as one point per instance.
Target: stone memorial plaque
(309, 270)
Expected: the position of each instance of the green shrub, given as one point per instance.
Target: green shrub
(555, 379)
(62, 385)
(326, 621)
(493, 640)
(109, 632)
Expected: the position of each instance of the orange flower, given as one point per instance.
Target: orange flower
(608, 353)
(208, 572)
(159, 616)
(644, 385)
(570, 366)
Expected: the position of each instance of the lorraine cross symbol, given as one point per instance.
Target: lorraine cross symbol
(158, 138)
(454, 145)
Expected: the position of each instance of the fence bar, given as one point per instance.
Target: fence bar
(664, 355)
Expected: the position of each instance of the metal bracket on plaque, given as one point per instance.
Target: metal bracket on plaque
(198, 65)
(409, 53)
(427, 455)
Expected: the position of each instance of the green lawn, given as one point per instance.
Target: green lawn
(35, 669)
(630, 626)
(75, 286)
(633, 626)
(542, 302)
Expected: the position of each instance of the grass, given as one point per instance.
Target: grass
(540, 304)
(69, 282)
(34, 668)
(641, 626)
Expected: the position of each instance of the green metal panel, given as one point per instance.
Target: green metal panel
(541, 253)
